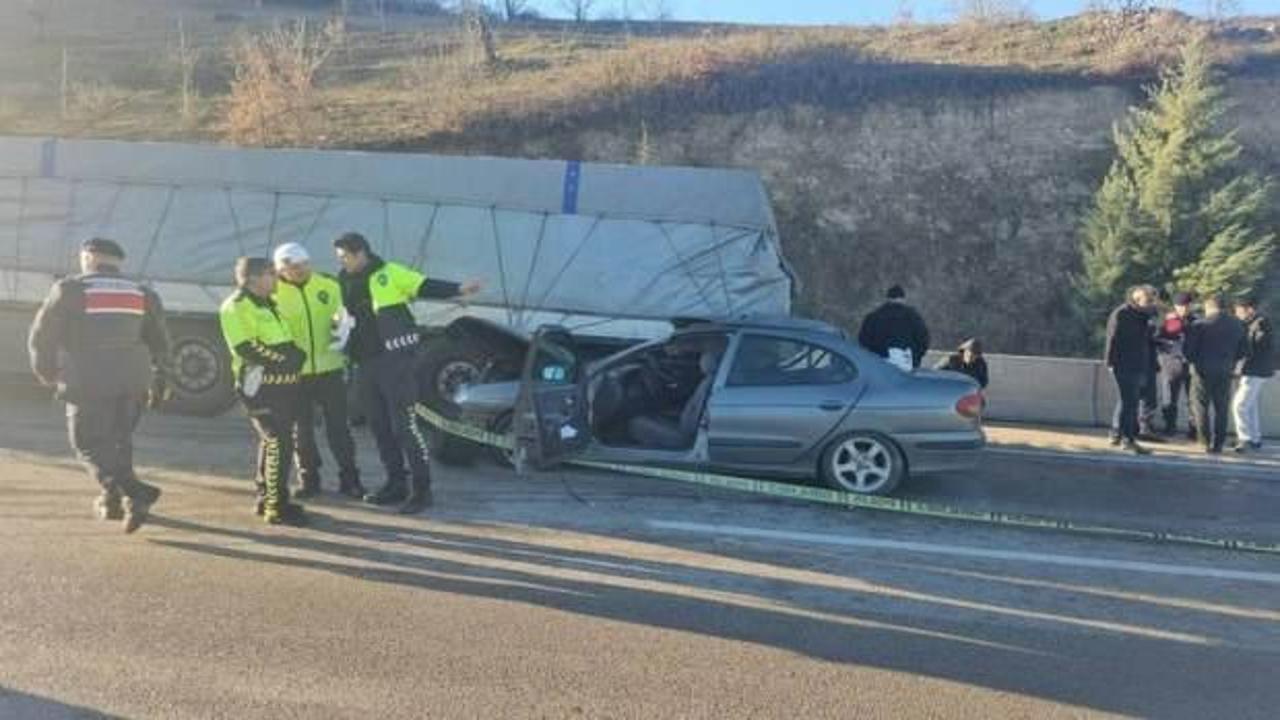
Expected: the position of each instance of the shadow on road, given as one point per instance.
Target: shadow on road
(958, 636)
(21, 706)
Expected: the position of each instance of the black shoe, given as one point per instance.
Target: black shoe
(1255, 445)
(1192, 434)
(1211, 450)
(352, 489)
(259, 505)
(289, 514)
(1135, 448)
(138, 506)
(308, 489)
(1242, 448)
(1151, 437)
(1115, 441)
(390, 494)
(107, 506)
(416, 503)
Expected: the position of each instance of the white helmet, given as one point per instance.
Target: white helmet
(290, 254)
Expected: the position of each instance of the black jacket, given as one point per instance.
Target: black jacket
(1259, 349)
(895, 325)
(1130, 340)
(977, 370)
(1214, 344)
(368, 336)
(99, 336)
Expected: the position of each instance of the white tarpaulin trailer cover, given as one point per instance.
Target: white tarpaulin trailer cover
(546, 236)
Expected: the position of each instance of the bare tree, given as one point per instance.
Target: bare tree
(1219, 10)
(991, 11)
(187, 57)
(661, 11)
(906, 12)
(579, 10)
(478, 32)
(513, 9)
(1122, 7)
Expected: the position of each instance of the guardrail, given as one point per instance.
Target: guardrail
(1071, 391)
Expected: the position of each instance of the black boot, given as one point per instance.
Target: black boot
(419, 497)
(350, 486)
(308, 486)
(390, 494)
(137, 504)
(107, 506)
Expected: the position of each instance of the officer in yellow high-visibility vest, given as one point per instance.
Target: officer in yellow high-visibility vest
(384, 346)
(311, 305)
(266, 363)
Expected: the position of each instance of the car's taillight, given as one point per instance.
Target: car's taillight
(970, 406)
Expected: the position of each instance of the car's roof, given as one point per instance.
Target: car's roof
(757, 322)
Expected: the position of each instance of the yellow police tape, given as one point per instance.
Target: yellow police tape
(864, 502)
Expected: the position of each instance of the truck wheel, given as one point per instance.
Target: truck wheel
(446, 366)
(201, 378)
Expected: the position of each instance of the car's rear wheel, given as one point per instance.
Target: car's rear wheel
(865, 463)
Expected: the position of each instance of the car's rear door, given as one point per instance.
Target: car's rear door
(551, 422)
(780, 398)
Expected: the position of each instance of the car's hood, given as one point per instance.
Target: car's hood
(487, 398)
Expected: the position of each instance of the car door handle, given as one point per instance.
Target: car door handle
(832, 405)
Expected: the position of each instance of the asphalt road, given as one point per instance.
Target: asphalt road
(568, 595)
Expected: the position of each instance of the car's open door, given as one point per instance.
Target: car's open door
(552, 421)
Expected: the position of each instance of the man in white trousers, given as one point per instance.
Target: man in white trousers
(1257, 364)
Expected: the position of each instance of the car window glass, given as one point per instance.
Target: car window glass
(778, 361)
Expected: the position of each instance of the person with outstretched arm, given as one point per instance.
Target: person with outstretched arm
(384, 345)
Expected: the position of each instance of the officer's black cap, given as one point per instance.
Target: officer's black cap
(896, 293)
(103, 246)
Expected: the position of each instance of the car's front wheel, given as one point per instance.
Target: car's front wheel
(865, 463)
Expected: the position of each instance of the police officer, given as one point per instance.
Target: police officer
(100, 339)
(384, 347)
(310, 303)
(266, 363)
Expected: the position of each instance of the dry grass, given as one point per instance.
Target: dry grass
(419, 87)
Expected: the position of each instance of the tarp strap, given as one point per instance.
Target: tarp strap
(155, 235)
(425, 240)
(533, 267)
(235, 222)
(315, 222)
(502, 268)
(569, 261)
(866, 502)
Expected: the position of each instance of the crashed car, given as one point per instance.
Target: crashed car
(786, 398)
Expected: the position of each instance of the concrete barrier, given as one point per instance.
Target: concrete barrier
(1070, 391)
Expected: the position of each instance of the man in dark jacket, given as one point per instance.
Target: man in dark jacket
(1256, 366)
(1214, 344)
(384, 346)
(896, 332)
(1128, 356)
(1170, 347)
(100, 339)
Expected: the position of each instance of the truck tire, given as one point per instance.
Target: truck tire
(201, 379)
(446, 364)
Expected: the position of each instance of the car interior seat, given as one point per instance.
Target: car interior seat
(678, 433)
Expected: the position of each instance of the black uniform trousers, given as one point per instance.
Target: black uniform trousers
(1211, 391)
(272, 412)
(1124, 422)
(1177, 380)
(327, 391)
(389, 388)
(101, 433)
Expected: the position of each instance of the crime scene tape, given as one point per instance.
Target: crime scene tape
(864, 502)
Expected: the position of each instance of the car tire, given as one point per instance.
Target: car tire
(864, 463)
(445, 364)
(201, 376)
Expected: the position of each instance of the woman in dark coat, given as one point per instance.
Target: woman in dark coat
(967, 359)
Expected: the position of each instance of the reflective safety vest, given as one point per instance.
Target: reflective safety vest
(247, 318)
(309, 310)
(392, 287)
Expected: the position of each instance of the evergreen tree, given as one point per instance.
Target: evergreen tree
(1176, 209)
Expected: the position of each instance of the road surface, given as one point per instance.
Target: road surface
(575, 595)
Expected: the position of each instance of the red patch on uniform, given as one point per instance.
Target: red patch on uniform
(114, 301)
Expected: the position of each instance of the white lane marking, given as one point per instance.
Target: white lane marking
(1263, 468)
(971, 552)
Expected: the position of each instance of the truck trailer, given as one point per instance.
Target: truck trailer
(613, 252)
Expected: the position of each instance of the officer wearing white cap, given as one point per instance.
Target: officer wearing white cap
(310, 303)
